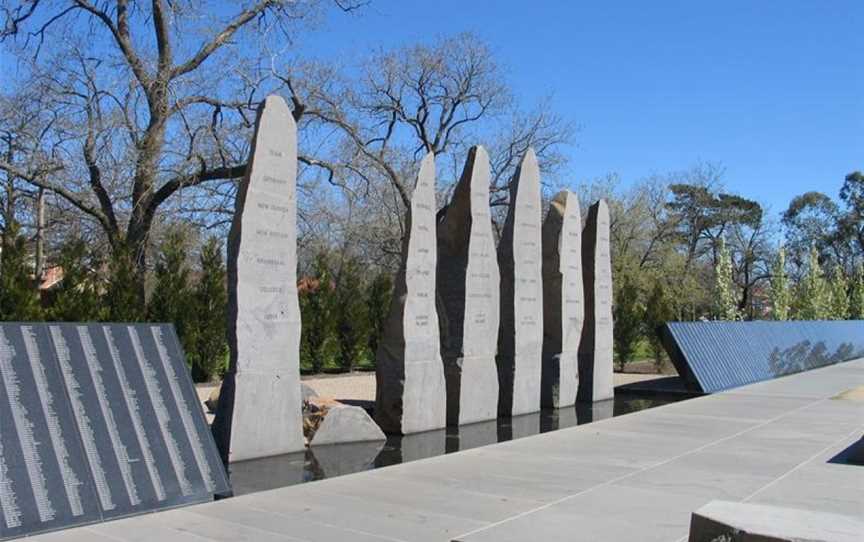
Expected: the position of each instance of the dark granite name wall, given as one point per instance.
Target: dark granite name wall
(714, 356)
(98, 421)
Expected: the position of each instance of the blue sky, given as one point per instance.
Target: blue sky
(772, 89)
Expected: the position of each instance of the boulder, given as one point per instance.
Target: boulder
(343, 423)
(306, 392)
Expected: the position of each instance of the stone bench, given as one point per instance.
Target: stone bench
(723, 521)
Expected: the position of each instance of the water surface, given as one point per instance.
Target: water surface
(340, 459)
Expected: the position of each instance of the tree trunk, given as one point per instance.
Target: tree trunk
(39, 265)
(149, 151)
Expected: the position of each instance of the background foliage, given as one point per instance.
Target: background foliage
(125, 127)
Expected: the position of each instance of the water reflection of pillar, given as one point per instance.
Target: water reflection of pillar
(404, 448)
(559, 418)
(519, 427)
(594, 412)
(473, 435)
(272, 472)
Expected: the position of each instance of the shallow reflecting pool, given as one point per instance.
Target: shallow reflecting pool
(340, 459)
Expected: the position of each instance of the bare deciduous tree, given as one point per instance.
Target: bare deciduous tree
(142, 115)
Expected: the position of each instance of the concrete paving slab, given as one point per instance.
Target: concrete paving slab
(81, 534)
(634, 477)
(697, 481)
(744, 407)
(294, 525)
(427, 496)
(397, 521)
(604, 514)
(220, 530)
(143, 528)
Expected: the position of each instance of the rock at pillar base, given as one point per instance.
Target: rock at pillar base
(343, 423)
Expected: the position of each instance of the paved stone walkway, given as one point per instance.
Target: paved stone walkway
(634, 477)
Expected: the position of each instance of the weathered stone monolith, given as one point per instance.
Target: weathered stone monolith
(410, 396)
(520, 336)
(595, 347)
(259, 412)
(563, 307)
(468, 290)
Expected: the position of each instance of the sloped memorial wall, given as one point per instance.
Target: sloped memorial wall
(715, 356)
(98, 421)
(410, 395)
(563, 300)
(468, 289)
(259, 412)
(520, 336)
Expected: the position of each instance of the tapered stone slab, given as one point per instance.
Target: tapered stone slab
(563, 300)
(468, 290)
(410, 396)
(259, 412)
(595, 347)
(520, 335)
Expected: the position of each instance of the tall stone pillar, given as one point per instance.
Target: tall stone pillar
(563, 306)
(468, 290)
(520, 336)
(595, 348)
(259, 412)
(410, 395)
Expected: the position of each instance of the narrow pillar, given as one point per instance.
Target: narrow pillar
(259, 412)
(520, 336)
(563, 306)
(595, 348)
(468, 290)
(410, 396)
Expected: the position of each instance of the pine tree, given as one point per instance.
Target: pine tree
(781, 295)
(839, 296)
(77, 298)
(208, 356)
(172, 300)
(856, 296)
(627, 313)
(814, 293)
(121, 296)
(353, 316)
(378, 306)
(658, 310)
(727, 307)
(19, 298)
(319, 343)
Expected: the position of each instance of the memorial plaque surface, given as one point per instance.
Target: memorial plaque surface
(715, 356)
(520, 335)
(595, 348)
(259, 412)
(563, 307)
(98, 421)
(468, 289)
(410, 396)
